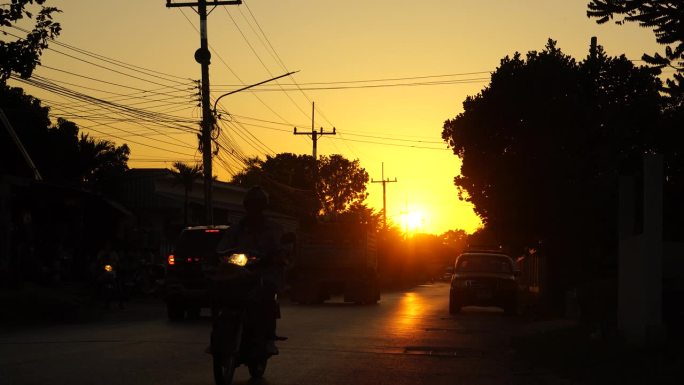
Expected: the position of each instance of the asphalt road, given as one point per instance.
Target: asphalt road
(409, 338)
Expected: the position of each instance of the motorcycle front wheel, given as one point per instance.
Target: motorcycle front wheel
(257, 368)
(224, 369)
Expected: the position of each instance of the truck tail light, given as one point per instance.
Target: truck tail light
(171, 260)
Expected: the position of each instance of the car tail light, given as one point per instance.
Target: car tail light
(211, 231)
(171, 260)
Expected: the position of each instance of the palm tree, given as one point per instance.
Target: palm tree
(186, 175)
(99, 161)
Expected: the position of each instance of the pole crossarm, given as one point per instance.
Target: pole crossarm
(315, 134)
(383, 181)
(169, 4)
(384, 194)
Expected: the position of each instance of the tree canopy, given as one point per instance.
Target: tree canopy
(544, 143)
(300, 187)
(665, 17)
(22, 55)
(59, 152)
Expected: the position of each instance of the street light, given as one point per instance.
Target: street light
(248, 87)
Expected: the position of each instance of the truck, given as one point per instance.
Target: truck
(335, 259)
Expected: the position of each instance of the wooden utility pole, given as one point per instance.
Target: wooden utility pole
(314, 134)
(384, 194)
(203, 57)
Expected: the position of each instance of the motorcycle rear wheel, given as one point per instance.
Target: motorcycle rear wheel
(224, 369)
(257, 368)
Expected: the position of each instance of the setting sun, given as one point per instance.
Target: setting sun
(413, 222)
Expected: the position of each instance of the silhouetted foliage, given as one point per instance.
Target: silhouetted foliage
(340, 183)
(186, 176)
(23, 54)
(666, 19)
(360, 213)
(543, 146)
(298, 188)
(455, 239)
(288, 178)
(57, 150)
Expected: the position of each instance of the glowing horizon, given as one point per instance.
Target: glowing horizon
(361, 45)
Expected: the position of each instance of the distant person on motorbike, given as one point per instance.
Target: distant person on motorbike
(107, 256)
(255, 232)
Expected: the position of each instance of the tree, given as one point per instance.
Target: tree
(101, 162)
(300, 187)
(455, 239)
(665, 17)
(23, 54)
(543, 146)
(186, 176)
(340, 184)
(288, 178)
(359, 213)
(59, 153)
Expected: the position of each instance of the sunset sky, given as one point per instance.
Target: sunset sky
(385, 73)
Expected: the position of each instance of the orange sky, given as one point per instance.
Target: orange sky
(327, 41)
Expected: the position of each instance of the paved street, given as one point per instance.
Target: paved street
(409, 338)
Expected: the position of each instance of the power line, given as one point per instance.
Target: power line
(132, 67)
(65, 92)
(138, 143)
(397, 145)
(283, 64)
(262, 62)
(414, 84)
(103, 81)
(233, 72)
(346, 133)
(386, 79)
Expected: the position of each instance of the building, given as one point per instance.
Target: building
(159, 203)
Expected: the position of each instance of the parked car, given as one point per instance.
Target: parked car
(483, 279)
(187, 279)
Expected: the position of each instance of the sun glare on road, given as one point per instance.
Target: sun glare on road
(411, 306)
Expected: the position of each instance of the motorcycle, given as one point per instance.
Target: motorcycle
(239, 298)
(109, 286)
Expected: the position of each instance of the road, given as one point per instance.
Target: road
(409, 338)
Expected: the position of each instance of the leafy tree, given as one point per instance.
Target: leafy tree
(543, 146)
(665, 17)
(297, 187)
(289, 180)
(360, 213)
(341, 183)
(186, 176)
(455, 239)
(59, 153)
(23, 54)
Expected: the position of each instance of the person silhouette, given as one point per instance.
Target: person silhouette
(255, 232)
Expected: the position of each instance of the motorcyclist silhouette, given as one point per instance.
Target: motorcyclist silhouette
(262, 235)
(107, 265)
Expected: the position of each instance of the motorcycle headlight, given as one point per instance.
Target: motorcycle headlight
(237, 259)
(108, 268)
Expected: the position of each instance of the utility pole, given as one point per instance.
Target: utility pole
(384, 194)
(314, 135)
(203, 57)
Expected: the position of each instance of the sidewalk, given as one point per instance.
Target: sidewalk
(560, 349)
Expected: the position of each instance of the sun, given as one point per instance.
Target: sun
(413, 221)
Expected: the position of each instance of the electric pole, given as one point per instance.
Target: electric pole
(314, 134)
(384, 194)
(203, 57)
